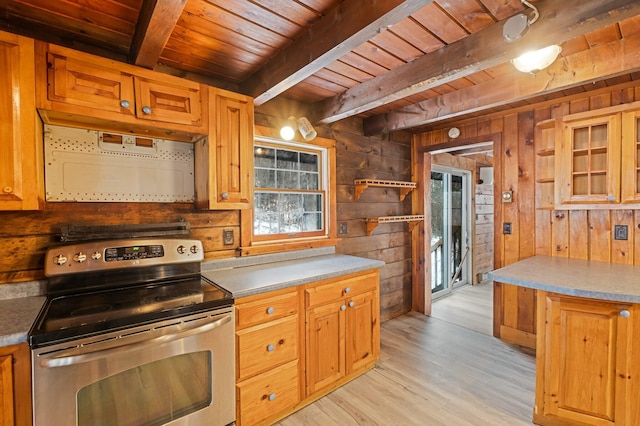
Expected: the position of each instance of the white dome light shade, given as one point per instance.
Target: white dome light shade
(537, 60)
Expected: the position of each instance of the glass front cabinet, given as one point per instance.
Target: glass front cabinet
(599, 161)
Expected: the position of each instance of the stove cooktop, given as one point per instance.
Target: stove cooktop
(72, 316)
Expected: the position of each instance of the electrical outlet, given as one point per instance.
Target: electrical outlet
(343, 228)
(620, 232)
(227, 237)
(506, 228)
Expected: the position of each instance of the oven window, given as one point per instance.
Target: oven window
(151, 394)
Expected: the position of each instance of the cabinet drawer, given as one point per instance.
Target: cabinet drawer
(263, 310)
(325, 293)
(268, 394)
(268, 345)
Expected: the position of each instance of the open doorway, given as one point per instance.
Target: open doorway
(451, 229)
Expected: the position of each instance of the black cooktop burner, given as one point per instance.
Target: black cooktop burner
(72, 316)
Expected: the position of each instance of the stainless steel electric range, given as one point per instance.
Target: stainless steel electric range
(132, 334)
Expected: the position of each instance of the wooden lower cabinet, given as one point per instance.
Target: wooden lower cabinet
(297, 344)
(514, 314)
(343, 329)
(15, 385)
(586, 362)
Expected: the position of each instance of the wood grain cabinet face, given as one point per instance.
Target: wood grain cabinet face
(224, 161)
(82, 89)
(631, 157)
(587, 357)
(267, 355)
(15, 385)
(21, 180)
(343, 330)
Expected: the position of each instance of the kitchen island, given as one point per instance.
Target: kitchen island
(588, 339)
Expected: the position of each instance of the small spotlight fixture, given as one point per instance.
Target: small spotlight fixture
(302, 124)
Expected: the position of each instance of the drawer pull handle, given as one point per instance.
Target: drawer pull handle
(146, 110)
(347, 290)
(125, 103)
(352, 304)
(224, 195)
(271, 348)
(625, 313)
(272, 396)
(270, 310)
(343, 307)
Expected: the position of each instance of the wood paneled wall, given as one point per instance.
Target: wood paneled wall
(538, 228)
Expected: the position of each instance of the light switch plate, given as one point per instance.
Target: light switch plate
(227, 237)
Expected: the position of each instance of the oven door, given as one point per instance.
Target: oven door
(175, 372)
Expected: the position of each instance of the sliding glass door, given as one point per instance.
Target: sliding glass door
(450, 229)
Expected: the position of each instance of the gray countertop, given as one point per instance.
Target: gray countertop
(16, 317)
(574, 277)
(248, 280)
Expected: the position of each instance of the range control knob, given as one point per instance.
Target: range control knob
(96, 255)
(194, 249)
(182, 249)
(80, 257)
(60, 259)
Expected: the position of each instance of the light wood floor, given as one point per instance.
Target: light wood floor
(445, 370)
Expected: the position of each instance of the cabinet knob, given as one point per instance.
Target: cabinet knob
(271, 348)
(146, 110)
(224, 195)
(343, 307)
(272, 396)
(7, 190)
(611, 197)
(125, 103)
(270, 310)
(625, 313)
(347, 290)
(352, 304)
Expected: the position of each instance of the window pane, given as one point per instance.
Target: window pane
(264, 157)
(308, 181)
(287, 160)
(288, 180)
(312, 222)
(265, 178)
(265, 202)
(312, 202)
(265, 223)
(308, 162)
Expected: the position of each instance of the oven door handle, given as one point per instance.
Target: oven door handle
(78, 356)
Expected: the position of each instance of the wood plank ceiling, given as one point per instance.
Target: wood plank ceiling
(397, 64)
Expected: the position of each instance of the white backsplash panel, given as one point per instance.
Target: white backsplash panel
(89, 165)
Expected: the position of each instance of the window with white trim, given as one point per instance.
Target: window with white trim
(290, 190)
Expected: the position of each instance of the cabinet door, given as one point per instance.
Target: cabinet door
(21, 182)
(169, 103)
(79, 82)
(630, 186)
(586, 362)
(6, 391)
(325, 354)
(362, 334)
(589, 161)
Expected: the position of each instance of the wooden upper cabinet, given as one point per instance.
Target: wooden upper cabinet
(224, 161)
(590, 161)
(631, 157)
(21, 178)
(77, 88)
(598, 160)
(585, 363)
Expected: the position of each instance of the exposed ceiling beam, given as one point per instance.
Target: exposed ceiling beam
(603, 61)
(559, 21)
(156, 21)
(341, 30)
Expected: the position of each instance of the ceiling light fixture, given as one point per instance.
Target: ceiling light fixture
(302, 124)
(537, 60)
(516, 27)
